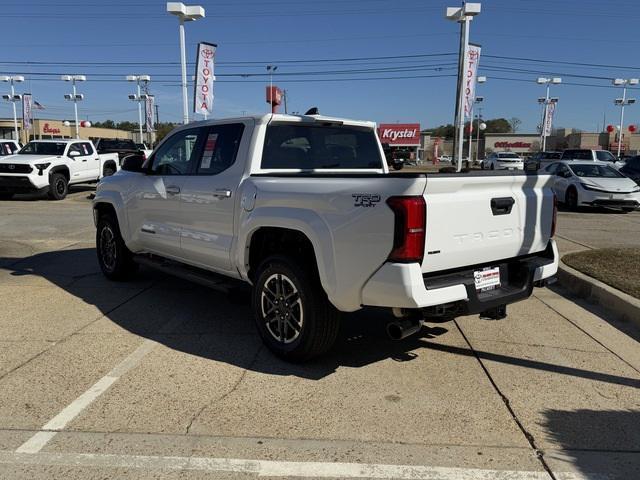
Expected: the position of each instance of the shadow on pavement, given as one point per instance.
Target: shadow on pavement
(215, 327)
(37, 196)
(211, 324)
(596, 442)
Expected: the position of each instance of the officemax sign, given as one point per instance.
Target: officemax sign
(400, 134)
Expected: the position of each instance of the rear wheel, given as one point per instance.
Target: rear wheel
(628, 209)
(571, 199)
(108, 170)
(58, 186)
(292, 312)
(114, 258)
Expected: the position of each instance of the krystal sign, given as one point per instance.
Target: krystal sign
(400, 134)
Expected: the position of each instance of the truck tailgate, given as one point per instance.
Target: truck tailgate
(480, 218)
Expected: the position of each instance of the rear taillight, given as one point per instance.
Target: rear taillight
(554, 220)
(409, 233)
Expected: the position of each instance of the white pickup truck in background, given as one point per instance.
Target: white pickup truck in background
(52, 165)
(304, 209)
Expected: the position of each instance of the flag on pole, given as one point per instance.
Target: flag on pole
(470, 77)
(27, 113)
(203, 90)
(148, 112)
(37, 105)
(548, 124)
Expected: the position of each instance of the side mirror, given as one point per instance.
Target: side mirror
(74, 153)
(133, 163)
(397, 164)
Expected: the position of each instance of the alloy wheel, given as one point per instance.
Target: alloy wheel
(281, 307)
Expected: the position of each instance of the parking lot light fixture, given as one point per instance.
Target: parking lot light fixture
(621, 102)
(463, 15)
(12, 80)
(75, 97)
(185, 13)
(546, 101)
(138, 97)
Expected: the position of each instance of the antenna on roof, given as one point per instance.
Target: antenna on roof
(313, 111)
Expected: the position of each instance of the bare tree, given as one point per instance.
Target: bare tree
(514, 123)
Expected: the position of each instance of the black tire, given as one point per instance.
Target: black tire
(6, 196)
(58, 186)
(317, 320)
(628, 209)
(571, 199)
(114, 258)
(108, 170)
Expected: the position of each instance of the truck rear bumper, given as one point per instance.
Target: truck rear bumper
(404, 286)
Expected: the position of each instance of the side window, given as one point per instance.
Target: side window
(552, 168)
(220, 148)
(562, 170)
(75, 147)
(87, 148)
(177, 154)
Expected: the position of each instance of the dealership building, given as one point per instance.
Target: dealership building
(50, 129)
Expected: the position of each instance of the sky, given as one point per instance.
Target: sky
(380, 60)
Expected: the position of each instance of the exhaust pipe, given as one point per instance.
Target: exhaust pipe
(403, 328)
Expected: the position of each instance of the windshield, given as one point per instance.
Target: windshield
(7, 148)
(43, 148)
(605, 156)
(508, 155)
(310, 147)
(593, 171)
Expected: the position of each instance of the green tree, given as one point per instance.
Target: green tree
(163, 129)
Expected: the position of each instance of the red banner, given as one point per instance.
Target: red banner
(400, 134)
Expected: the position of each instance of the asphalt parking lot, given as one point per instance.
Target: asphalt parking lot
(161, 378)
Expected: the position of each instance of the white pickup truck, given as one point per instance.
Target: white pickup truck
(52, 165)
(304, 209)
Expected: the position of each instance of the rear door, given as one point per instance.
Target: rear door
(209, 198)
(154, 211)
(478, 218)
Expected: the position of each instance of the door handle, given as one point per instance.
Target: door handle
(222, 192)
(173, 190)
(502, 206)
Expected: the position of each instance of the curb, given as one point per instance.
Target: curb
(599, 293)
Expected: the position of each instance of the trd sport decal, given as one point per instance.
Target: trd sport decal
(365, 199)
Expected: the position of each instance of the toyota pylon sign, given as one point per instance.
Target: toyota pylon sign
(400, 134)
(203, 89)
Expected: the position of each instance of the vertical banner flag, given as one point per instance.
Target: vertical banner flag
(551, 109)
(203, 93)
(148, 113)
(470, 77)
(27, 113)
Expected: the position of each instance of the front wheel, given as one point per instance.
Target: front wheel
(108, 170)
(292, 312)
(58, 186)
(571, 199)
(114, 258)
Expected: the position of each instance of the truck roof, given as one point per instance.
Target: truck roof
(281, 117)
(59, 140)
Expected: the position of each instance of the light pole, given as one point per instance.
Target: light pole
(271, 69)
(13, 99)
(475, 100)
(621, 102)
(546, 101)
(138, 97)
(75, 97)
(463, 15)
(185, 13)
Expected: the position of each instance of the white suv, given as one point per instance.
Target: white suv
(503, 161)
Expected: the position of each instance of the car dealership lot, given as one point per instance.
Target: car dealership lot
(159, 376)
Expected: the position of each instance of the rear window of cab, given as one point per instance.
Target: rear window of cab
(314, 147)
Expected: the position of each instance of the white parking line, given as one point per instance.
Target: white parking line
(271, 468)
(71, 411)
